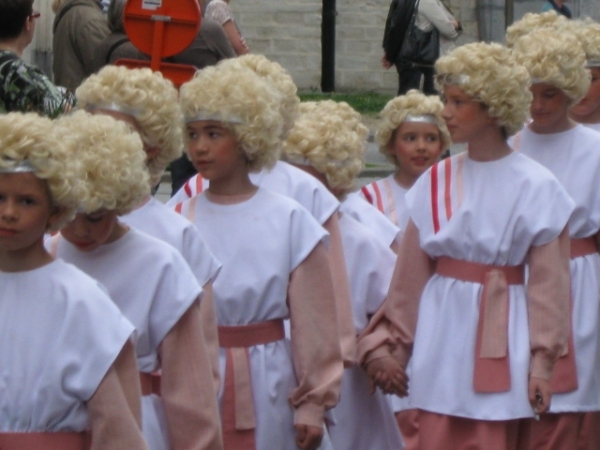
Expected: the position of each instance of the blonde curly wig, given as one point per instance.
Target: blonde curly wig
(531, 22)
(245, 103)
(490, 74)
(588, 33)
(154, 101)
(330, 137)
(279, 78)
(413, 103)
(110, 162)
(556, 59)
(29, 137)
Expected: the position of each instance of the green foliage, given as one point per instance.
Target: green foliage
(368, 103)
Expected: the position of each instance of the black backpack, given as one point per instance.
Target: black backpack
(397, 25)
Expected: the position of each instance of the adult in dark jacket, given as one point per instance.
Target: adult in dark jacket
(24, 88)
(79, 27)
(413, 72)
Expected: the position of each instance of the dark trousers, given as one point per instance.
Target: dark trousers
(181, 171)
(410, 75)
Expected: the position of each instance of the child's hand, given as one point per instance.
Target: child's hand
(388, 375)
(308, 436)
(539, 394)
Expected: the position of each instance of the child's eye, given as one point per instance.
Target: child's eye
(94, 217)
(409, 137)
(192, 135)
(27, 201)
(214, 134)
(432, 138)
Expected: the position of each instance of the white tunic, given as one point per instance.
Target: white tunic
(364, 421)
(163, 223)
(284, 179)
(260, 242)
(389, 198)
(59, 335)
(356, 207)
(593, 126)
(153, 286)
(573, 157)
(493, 214)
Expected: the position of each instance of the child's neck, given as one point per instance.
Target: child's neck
(489, 146)
(592, 118)
(404, 179)
(26, 259)
(238, 185)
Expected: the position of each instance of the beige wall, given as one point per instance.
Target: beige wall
(288, 31)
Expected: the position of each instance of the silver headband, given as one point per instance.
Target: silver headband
(593, 62)
(22, 166)
(451, 78)
(425, 118)
(215, 117)
(296, 159)
(113, 106)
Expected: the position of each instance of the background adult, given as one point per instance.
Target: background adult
(415, 69)
(23, 87)
(210, 45)
(219, 11)
(79, 27)
(558, 6)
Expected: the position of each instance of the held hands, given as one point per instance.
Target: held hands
(308, 437)
(539, 394)
(388, 375)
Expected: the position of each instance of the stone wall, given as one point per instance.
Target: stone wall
(288, 31)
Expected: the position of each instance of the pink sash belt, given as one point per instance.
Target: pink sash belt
(583, 247)
(150, 383)
(44, 441)
(492, 368)
(239, 421)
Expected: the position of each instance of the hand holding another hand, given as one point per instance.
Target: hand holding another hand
(388, 375)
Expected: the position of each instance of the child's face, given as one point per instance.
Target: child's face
(589, 106)
(465, 117)
(214, 151)
(417, 146)
(87, 232)
(26, 211)
(549, 109)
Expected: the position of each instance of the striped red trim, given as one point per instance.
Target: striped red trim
(448, 187)
(367, 194)
(179, 208)
(434, 198)
(187, 189)
(378, 196)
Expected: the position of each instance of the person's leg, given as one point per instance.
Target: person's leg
(409, 76)
(438, 431)
(428, 85)
(408, 422)
(555, 431)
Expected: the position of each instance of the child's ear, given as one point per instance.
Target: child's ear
(55, 217)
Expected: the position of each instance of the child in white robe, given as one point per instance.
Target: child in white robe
(557, 65)
(147, 278)
(328, 141)
(291, 182)
(275, 391)
(67, 357)
(412, 135)
(149, 103)
(587, 111)
(483, 344)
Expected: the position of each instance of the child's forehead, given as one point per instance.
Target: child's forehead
(23, 183)
(207, 125)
